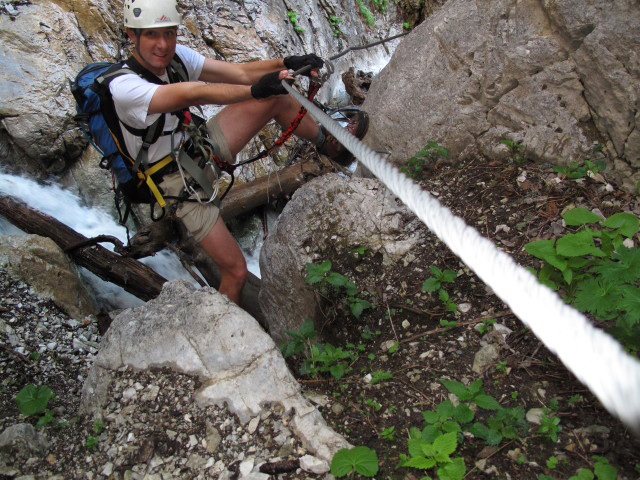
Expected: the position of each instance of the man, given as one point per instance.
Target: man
(252, 93)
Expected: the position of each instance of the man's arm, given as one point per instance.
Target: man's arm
(177, 96)
(217, 71)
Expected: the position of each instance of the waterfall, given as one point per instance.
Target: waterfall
(66, 207)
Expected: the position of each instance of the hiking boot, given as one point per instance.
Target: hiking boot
(332, 148)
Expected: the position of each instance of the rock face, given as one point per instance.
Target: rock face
(200, 332)
(555, 76)
(39, 262)
(328, 214)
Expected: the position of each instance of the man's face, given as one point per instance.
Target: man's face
(155, 47)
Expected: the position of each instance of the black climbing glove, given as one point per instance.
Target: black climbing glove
(296, 62)
(268, 85)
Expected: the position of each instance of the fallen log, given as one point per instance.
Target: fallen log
(135, 277)
(249, 196)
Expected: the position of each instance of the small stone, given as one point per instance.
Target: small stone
(485, 357)
(253, 425)
(309, 463)
(534, 415)
(406, 324)
(337, 408)
(246, 466)
(464, 307)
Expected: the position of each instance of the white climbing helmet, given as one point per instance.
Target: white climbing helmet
(151, 13)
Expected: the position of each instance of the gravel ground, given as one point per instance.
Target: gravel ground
(151, 429)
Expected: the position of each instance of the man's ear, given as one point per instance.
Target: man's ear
(131, 33)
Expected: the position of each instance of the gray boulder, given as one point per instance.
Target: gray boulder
(200, 332)
(330, 215)
(22, 438)
(39, 262)
(555, 76)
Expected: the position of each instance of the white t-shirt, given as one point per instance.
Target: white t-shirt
(131, 97)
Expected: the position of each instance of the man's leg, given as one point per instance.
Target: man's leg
(225, 252)
(240, 122)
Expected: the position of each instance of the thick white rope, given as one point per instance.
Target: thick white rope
(594, 357)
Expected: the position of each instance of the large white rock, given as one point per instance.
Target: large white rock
(200, 332)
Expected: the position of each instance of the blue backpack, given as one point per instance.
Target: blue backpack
(97, 118)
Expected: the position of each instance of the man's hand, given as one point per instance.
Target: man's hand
(270, 84)
(296, 62)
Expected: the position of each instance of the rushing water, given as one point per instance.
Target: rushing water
(66, 207)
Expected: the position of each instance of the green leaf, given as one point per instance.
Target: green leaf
(415, 447)
(580, 216)
(624, 265)
(451, 426)
(337, 279)
(578, 244)
(597, 296)
(445, 410)
(420, 462)
(435, 271)
(582, 474)
(604, 471)
(463, 413)
(626, 223)
(454, 470)
(545, 250)
(45, 419)
(430, 416)
(430, 285)
(455, 387)
(449, 275)
(33, 399)
(487, 402)
(446, 444)
(490, 436)
(337, 371)
(362, 460)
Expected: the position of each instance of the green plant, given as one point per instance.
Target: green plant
(429, 153)
(595, 271)
(372, 403)
(299, 339)
(91, 443)
(406, 26)
(366, 13)
(33, 400)
(325, 358)
(552, 463)
(361, 460)
(99, 426)
(381, 5)
(379, 376)
(485, 325)
(501, 366)
(507, 423)
(472, 393)
(368, 334)
(434, 283)
(335, 27)
(574, 399)
(436, 454)
(293, 18)
(388, 433)
(515, 150)
(581, 170)
(549, 427)
(320, 276)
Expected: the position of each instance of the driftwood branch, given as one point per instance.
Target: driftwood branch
(135, 277)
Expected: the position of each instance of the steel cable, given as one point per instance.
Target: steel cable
(593, 356)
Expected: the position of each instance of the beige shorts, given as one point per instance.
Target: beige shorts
(198, 218)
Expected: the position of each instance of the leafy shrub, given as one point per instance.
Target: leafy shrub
(595, 271)
(415, 165)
